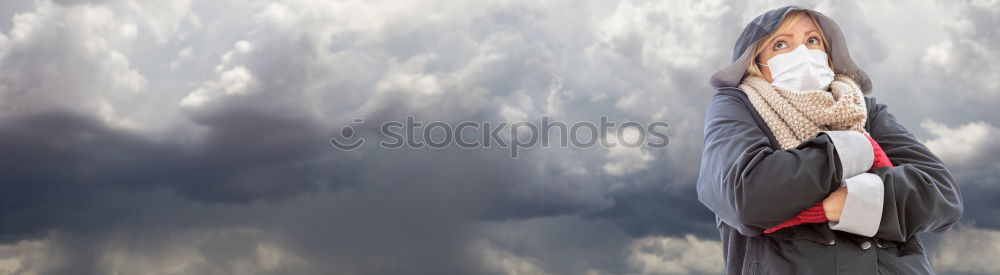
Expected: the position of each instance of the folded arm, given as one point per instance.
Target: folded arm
(747, 183)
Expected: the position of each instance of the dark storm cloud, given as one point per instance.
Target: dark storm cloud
(971, 155)
(60, 165)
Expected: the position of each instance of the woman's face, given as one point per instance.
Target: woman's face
(804, 31)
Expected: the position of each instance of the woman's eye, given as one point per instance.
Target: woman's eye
(780, 45)
(813, 41)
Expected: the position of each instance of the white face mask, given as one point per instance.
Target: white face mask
(802, 69)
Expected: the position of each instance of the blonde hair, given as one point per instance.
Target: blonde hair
(787, 23)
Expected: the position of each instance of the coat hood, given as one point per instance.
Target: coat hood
(764, 24)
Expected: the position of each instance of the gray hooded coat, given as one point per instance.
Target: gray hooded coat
(750, 184)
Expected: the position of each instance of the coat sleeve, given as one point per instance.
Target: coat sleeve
(748, 184)
(920, 193)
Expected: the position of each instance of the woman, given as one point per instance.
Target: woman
(795, 166)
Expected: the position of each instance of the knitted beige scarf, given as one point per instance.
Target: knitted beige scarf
(797, 116)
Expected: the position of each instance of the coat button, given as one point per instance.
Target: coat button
(866, 245)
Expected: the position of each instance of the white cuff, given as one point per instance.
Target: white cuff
(854, 150)
(862, 211)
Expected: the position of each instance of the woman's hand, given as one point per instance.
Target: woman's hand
(833, 205)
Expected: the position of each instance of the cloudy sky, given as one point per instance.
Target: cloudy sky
(190, 137)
